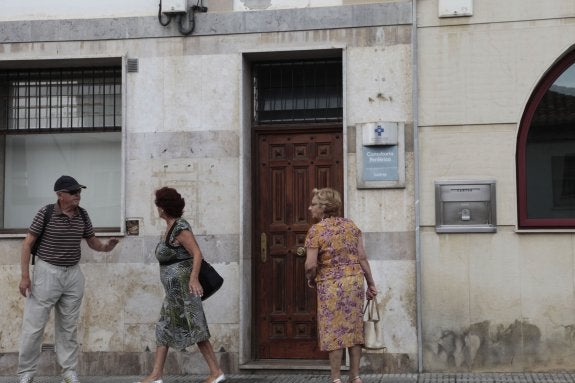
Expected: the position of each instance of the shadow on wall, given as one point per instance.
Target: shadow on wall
(483, 347)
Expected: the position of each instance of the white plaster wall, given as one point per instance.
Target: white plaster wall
(483, 74)
(500, 301)
(506, 299)
(468, 152)
(494, 11)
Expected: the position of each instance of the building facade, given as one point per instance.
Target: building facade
(245, 107)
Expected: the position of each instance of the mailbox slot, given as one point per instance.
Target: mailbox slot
(465, 207)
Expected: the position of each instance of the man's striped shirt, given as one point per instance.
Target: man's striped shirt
(60, 243)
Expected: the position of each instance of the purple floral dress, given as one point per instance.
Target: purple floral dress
(340, 283)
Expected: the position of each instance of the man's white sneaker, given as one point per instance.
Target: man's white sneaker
(26, 378)
(70, 377)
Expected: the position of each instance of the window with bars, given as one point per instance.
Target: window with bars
(56, 121)
(303, 91)
(56, 100)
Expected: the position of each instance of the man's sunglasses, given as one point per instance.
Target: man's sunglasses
(73, 192)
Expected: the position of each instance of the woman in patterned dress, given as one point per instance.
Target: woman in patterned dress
(182, 321)
(336, 266)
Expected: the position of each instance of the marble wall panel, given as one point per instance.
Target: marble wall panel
(381, 210)
(12, 307)
(131, 249)
(10, 250)
(209, 186)
(379, 92)
(392, 245)
(224, 308)
(201, 92)
(183, 146)
(111, 300)
(146, 115)
(396, 298)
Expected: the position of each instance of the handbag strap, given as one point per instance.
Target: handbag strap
(169, 234)
(168, 244)
(372, 311)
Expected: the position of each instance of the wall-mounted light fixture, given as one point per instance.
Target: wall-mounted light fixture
(178, 9)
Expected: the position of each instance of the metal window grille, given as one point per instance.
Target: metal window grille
(60, 100)
(308, 91)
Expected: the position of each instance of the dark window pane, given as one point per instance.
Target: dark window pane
(550, 152)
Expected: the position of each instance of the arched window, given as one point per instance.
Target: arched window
(546, 151)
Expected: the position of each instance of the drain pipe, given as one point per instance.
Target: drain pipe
(415, 103)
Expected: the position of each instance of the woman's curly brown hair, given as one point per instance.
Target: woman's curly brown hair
(170, 201)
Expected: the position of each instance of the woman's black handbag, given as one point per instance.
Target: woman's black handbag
(210, 280)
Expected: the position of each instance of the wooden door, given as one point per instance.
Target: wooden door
(289, 166)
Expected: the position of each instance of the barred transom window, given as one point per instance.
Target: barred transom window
(305, 91)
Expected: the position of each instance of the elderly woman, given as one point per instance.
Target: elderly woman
(182, 321)
(336, 265)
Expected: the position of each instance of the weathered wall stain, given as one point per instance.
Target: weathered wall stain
(484, 346)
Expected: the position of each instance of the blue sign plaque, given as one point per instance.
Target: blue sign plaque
(380, 163)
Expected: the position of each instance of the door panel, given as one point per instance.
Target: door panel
(289, 166)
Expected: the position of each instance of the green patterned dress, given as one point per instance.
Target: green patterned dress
(182, 320)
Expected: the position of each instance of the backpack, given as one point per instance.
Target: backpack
(47, 215)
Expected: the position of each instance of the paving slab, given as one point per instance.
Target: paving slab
(302, 378)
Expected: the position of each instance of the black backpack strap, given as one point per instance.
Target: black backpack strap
(47, 215)
(84, 215)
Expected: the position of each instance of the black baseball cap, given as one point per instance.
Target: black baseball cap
(67, 183)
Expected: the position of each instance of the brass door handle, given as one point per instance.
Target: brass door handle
(300, 251)
(264, 247)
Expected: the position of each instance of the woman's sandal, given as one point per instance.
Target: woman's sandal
(357, 379)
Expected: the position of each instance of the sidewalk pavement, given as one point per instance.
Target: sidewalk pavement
(556, 377)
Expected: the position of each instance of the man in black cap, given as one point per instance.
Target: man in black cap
(57, 280)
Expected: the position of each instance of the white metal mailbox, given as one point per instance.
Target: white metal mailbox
(465, 206)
